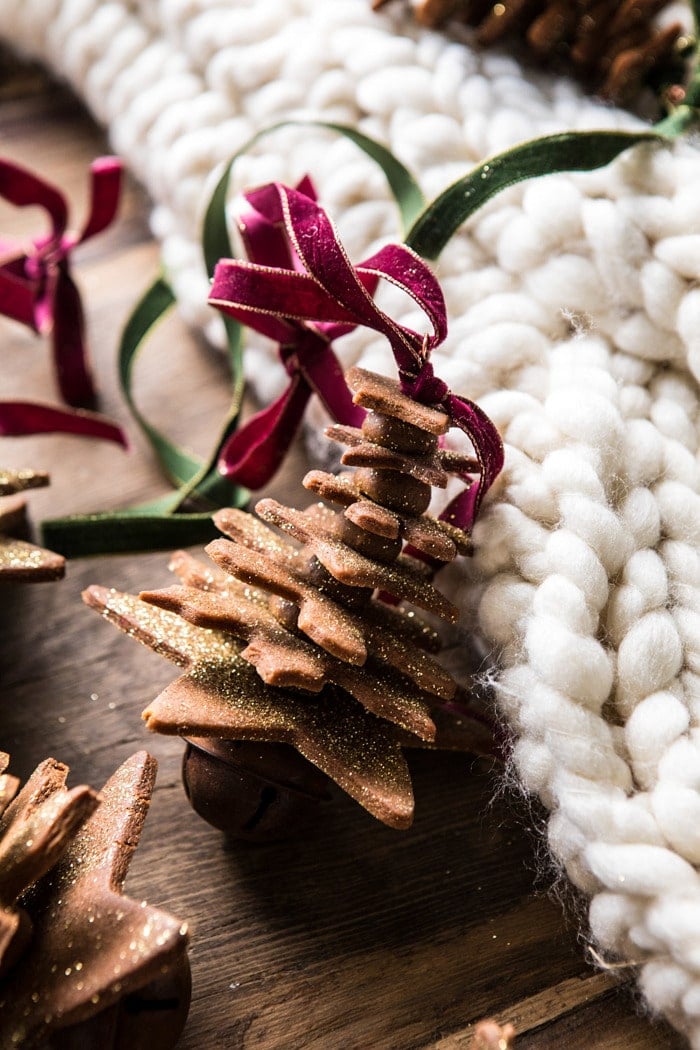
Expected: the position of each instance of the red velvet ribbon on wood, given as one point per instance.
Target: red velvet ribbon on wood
(306, 294)
(36, 287)
(21, 418)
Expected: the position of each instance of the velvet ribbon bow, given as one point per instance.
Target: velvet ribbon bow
(36, 287)
(254, 451)
(308, 293)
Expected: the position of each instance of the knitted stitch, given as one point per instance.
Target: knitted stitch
(574, 320)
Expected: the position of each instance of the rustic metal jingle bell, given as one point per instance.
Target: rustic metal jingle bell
(251, 790)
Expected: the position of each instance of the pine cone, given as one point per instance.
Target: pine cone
(77, 959)
(287, 644)
(612, 47)
(19, 559)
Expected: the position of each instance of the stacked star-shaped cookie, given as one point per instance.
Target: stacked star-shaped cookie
(287, 640)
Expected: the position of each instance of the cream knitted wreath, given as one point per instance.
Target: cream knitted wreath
(575, 321)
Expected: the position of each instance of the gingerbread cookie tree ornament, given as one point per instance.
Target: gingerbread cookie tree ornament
(81, 965)
(290, 639)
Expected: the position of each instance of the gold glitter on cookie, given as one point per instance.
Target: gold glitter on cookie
(287, 639)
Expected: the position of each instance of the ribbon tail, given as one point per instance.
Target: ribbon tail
(20, 418)
(254, 452)
(462, 510)
(473, 421)
(106, 184)
(69, 346)
(324, 374)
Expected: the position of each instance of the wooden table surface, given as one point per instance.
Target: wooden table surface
(356, 937)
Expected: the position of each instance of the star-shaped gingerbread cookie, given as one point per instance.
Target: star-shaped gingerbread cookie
(93, 958)
(221, 696)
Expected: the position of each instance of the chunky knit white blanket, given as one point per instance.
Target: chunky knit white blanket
(574, 319)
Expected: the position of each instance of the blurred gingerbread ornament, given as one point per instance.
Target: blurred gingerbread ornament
(79, 962)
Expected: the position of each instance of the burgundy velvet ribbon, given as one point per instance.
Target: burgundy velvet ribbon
(311, 294)
(36, 287)
(20, 418)
(254, 451)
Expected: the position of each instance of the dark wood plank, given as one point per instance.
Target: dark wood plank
(356, 936)
(571, 1013)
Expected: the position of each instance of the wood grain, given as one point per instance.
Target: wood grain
(356, 937)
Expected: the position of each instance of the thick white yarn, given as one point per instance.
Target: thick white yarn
(575, 321)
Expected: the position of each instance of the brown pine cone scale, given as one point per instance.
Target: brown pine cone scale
(612, 47)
